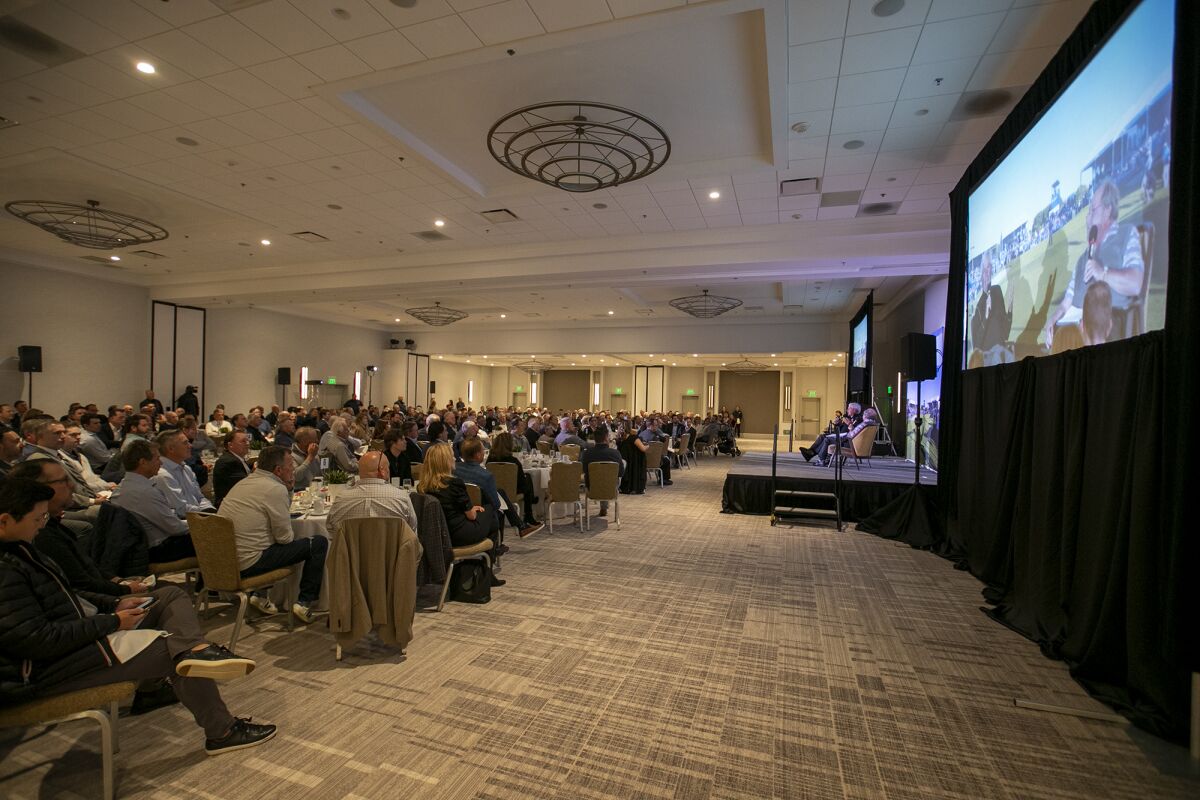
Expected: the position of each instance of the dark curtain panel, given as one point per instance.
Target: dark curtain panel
(1064, 480)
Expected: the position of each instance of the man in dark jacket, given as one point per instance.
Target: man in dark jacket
(54, 640)
(232, 466)
(189, 402)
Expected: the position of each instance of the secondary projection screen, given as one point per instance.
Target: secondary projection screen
(1067, 236)
(858, 345)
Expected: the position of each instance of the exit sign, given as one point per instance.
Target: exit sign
(691, 391)
(519, 389)
(812, 392)
(618, 390)
(332, 381)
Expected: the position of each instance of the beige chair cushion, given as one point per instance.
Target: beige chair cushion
(267, 578)
(168, 567)
(473, 549)
(48, 709)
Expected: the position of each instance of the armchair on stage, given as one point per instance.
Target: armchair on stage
(859, 448)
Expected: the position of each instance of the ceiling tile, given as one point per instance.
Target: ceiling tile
(123, 17)
(811, 95)
(385, 50)
(246, 88)
(296, 117)
(219, 133)
(60, 22)
(954, 154)
(179, 14)
(870, 87)
(179, 48)
(681, 197)
(201, 96)
(816, 20)
(503, 22)
(896, 179)
(803, 168)
(1038, 26)
(353, 18)
(910, 138)
(752, 190)
(937, 111)
(849, 165)
(67, 88)
(557, 15)
(631, 8)
(800, 202)
(810, 62)
(818, 123)
(862, 118)
(919, 206)
(13, 65)
(862, 20)
(922, 80)
(807, 148)
(969, 130)
(138, 118)
(844, 183)
(282, 25)
(108, 79)
(424, 10)
(876, 51)
(956, 38)
(770, 218)
(299, 148)
(233, 40)
(98, 125)
(1020, 68)
(255, 123)
(838, 212)
(163, 105)
(287, 76)
(756, 205)
(950, 9)
(333, 63)
(944, 174)
(443, 36)
(901, 160)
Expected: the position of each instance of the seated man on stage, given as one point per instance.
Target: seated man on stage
(870, 418)
(839, 425)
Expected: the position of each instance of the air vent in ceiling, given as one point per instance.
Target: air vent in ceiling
(878, 209)
(645, 312)
(833, 199)
(5, 122)
(432, 236)
(499, 216)
(309, 236)
(532, 314)
(797, 187)
(32, 43)
(147, 254)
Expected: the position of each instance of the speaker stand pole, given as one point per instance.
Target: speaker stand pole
(917, 422)
(30, 401)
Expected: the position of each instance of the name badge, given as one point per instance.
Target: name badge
(324, 463)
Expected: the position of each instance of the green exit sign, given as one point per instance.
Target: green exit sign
(690, 391)
(519, 389)
(812, 392)
(332, 381)
(618, 390)
(889, 389)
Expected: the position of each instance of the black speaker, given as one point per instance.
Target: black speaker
(433, 387)
(918, 356)
(30, 357)
(857, 379)
(283, 375)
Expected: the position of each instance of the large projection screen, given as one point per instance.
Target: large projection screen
(1067, 235)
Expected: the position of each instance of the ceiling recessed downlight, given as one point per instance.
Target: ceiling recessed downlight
(504, 316)
(799, 127)
(714, 195)
(266, 242)
(188, 141)
(114, 258)
(439, 223)
(853, 144)
(611, 312)
(146, 67)
(886, 8)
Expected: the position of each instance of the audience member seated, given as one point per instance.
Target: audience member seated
(137, 428)
(54, 640)
(285, 432)
(113, 431)
(232, 466)
(502, 453)
(7, 413)
(166, 532)
(566, 435)
(44, 438)
(259, 509)
(601, 451)
(471, 470)
(372, 496)
(92, 445)
(633, 451)
(335, 445)
(395, 451)
(218, 427)
(77, 464)
(304, 455)
(468, 523)
(651, 434)
(10, 451)
(176, 480)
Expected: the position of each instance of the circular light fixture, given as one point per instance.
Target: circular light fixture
(584, 355)
(853, 144)
(439, 223)
(114, 258)
(704, 305)
(87, 226)
(650, 356)
(436, 314)
(396, 320)
(799, 127)
(600, 206)
(340, 13)
(772, 355)
(714, 195)
(611, 312)
(334, 206)
(146, 67)
(190, 142)
(504, 316)
(266, 242)
(920, 112)
(578, 146)
(886, 8)
(695, 356)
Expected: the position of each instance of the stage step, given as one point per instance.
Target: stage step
(804, 512)
(795, 503)
(799, 493)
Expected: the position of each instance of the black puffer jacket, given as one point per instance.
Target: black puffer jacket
(45, 637)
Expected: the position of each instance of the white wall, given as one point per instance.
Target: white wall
(94, 336)
(245, 346)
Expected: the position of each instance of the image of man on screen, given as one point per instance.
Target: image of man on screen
(992, 320)
(1113, 255)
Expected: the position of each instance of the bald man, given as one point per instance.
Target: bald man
(372, 496)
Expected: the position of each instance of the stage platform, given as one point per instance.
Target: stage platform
(864, 490)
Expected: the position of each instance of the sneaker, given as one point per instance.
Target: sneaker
(497, 581)
(263, 604)
(304, 613)
(214, 662)
(243, 734)
(530, 529)
(501, 549)
(153, 698)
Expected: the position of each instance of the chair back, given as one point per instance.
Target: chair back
(376, 444)
(654, 454)
(216, 550)
(564, 481)
(475, 495)
(571, 451)
(865, 441)
(543, 447)
(416, 471)
(372, 547)
(603, 480)
(506, 477)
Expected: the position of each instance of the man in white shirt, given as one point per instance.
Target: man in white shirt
(175, 479)
(91, 444)
(166, 534)
(259, 508)
(373, 496)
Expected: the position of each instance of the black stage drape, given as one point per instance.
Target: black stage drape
(751, 494)
(1064, 479)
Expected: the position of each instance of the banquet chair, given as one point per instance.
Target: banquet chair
(506, 480)
(216, 549)
(570, 451)
(654, 456)
(416, 471)
(379, 557)
(565, 478)
(543, 448)
(691, 445)
(859, 448)
(680, 451)
(80, 704)
(475, 495)
(603, 481)
(190, 567)
(461, 554)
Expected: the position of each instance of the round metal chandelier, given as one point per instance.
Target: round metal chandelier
(705, 305)
(579, 146)
(533, 366)
(87, 226)
(745, 367)
(436, 314)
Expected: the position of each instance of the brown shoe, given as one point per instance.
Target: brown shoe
(530, 529)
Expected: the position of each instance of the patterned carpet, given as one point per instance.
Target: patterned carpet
(689, 655)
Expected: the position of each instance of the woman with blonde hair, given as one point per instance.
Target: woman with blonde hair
(468, 523)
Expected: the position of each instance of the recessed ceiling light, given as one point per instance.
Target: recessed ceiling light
(187, 141)
(722, 363)
(504, 316)
(114, 258)
(439, 222)
(775, 365)
(397, 319)
(672, 363)
(695, 356)
(886, 8)
(340, 13)
(572, 363)
(772, 355)
(714, 195)
(334, 206)
(584, 355)
(439, 356)
(650, 356)
(799, 127)
(853, 144)
(611, 312)
(266, 242)
(600, 206)
(468, 361)
(920, 112)
(146, 67)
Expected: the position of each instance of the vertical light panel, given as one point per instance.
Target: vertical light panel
(358, 385)
(787, 398)
(470, 391)
(596, 395)
(712, 397)
(533, 393)
(304, 383)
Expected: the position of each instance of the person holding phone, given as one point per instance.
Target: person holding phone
(54, 639)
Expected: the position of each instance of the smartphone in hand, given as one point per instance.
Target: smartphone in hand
(147, 602)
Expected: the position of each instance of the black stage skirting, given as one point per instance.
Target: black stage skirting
(748, 485)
